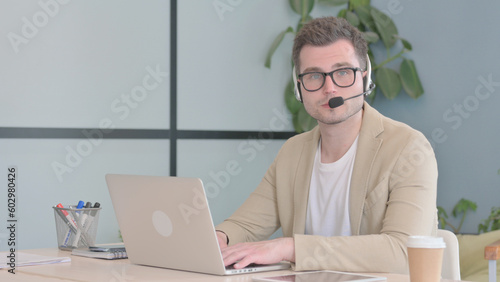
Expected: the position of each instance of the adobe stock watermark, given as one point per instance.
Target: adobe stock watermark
(121, 108)
(419, 150)
(31, 27)
(322, 253)
(394, 7)
(224, 6)
(456, 114)
(221, 179)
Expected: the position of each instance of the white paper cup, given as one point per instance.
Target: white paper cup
(425, 257)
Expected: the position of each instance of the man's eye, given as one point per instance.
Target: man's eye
(315, 76)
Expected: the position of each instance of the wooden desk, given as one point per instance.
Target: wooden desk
(90, 269)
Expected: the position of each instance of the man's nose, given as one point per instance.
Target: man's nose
(329, 85)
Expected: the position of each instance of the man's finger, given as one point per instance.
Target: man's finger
(244, 262)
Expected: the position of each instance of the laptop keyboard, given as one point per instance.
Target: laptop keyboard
(229, 267)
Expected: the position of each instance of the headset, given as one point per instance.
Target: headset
(368, 84)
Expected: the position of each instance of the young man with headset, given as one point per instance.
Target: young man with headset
(348, 193)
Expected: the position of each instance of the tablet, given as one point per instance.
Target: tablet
(320, 276)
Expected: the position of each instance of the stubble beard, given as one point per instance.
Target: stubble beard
(331, 118)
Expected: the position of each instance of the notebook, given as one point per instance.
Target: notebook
(115, 251)
(166, 222)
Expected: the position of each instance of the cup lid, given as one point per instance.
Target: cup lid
(430, 242)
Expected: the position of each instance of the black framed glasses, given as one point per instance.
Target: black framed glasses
(313, 81)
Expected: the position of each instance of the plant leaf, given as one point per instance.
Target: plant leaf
(482, 228)
(274, 46)
(365, 17)
(306, 122)
(493, 220)
(442, 212)
(370, 36)
(463, 205)
(342, 13)
(389, 82)
(385, 27)
(406, 44)
(291, 102)
(333, 2)
(302, 7)
(296, 124)
(356, 3)
(442, 216)
(410, 80)
(352, 18)
(303, 21)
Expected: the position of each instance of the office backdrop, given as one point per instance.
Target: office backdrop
(180, 88)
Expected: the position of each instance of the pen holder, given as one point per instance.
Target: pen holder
(76, 228)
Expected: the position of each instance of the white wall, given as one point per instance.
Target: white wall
(72, 64)
(72, 69)
(223, 84)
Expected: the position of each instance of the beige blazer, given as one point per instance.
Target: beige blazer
(392, 195)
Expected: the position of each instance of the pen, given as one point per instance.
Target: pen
(89, 220)
(88, 205)
(91, 216)
(79, 206)
(83, 222)
(79, 223)
(66, 219)
(63, 218)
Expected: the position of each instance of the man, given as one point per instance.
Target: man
(348, 193)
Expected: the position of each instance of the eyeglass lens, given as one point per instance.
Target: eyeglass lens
(342, 77)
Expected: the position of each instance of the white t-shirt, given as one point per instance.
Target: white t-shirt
(328, 204)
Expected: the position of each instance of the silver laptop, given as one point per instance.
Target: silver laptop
(166, 222)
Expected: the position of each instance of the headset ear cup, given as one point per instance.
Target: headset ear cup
(367, 80)
(296, 86)
(298, 93)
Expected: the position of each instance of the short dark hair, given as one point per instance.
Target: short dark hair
(325, 31)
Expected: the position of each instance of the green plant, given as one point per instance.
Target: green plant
(377, 27)
(492, 222)
(460, 209)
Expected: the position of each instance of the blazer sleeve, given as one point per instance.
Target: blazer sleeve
(408, 209)
(257, 218)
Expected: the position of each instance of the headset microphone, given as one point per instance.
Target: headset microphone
(339, 101)
(336, 102)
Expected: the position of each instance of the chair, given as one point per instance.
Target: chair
(451, 259)
(492, 254)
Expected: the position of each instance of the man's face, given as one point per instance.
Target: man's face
(325, 59)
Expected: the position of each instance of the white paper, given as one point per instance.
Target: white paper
(25, 259)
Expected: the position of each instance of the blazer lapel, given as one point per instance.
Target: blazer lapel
(368, 146)
(303, 181)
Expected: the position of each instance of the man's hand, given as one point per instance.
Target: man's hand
(264, 252)
(222, 239)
